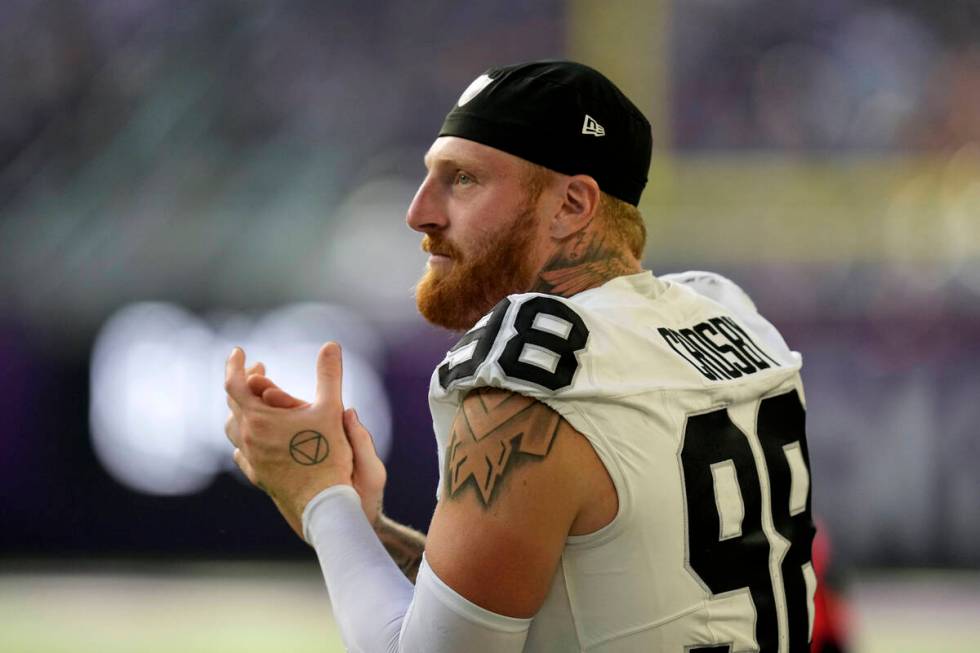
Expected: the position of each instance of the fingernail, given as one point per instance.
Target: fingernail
(357, 418)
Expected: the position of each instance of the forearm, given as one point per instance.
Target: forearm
(376, 607)
(405, 545)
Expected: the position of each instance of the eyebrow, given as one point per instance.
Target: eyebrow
(452, 161)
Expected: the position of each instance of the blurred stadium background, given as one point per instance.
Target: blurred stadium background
(178, 176)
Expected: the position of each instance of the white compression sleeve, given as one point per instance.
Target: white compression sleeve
(377, 608)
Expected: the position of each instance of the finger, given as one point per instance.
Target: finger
(258, 383)
(278, 398)
(245, 466)
(235, 376)
(233, 406)
(231, 430)
(368, 467)
(271, 394)
(361, 440)
(329, 372)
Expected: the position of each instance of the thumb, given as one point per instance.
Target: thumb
(359, 437)
(367, 465)
(329, 374)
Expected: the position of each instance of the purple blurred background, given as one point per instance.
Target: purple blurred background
(233, 158)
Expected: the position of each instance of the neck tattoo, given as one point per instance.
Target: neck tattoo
(584, 261)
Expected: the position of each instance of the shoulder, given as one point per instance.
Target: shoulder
(494, 430)
(528, 342)
(518, 480)
(715, 287)
(602, 343)
(722, 291)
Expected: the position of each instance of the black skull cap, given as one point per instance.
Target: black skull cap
(561, 115)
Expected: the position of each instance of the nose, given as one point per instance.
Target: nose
(427, 213)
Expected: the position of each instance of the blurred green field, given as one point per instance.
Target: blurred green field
(260, 608)
(190, 608)
(917, 611)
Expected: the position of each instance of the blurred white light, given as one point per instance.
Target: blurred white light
(158, 408)
(368, 232)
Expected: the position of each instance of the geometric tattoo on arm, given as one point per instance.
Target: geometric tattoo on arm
(492, 428)
(404, 545)
(309, 448)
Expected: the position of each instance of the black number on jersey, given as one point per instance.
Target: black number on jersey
(570, 339)
(544, 326)
(733, 561)
(484, 337)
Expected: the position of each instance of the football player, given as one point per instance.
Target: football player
(623, 458)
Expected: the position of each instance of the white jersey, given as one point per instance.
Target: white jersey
(694, 404)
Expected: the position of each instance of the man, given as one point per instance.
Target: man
(623, 458)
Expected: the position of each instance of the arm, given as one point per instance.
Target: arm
(492, 550)
(405, 545)
(495, 539)
(519, 481)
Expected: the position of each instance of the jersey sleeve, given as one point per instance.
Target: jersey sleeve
(532, 344)
(535, 345)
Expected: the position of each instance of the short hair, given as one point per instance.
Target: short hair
(623, 222)
(620, 220)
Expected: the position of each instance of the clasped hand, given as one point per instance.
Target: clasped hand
(293, 449)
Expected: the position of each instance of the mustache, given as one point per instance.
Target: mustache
(432, 245)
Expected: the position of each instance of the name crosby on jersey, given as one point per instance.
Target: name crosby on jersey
(736, 356)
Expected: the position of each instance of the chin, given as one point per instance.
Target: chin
(456, 294)
(444, 301)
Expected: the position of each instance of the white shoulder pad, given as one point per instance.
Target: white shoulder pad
(729, 294)
(715, 287)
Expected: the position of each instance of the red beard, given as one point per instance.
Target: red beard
(500, 266)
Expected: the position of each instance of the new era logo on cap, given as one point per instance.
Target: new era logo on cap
(590, 126)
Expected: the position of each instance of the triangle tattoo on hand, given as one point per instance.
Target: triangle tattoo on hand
(309, 448)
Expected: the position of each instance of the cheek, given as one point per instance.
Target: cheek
(484, 219)
(470, 228)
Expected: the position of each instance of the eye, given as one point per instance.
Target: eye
(463, 179)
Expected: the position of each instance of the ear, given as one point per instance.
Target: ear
(579, 205)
